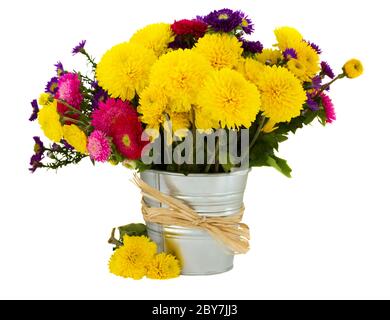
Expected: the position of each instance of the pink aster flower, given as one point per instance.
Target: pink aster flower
(329, 108)
(109, 112)
(98, 146)
(69, 89)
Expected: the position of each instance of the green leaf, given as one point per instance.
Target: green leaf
(280, 165)
(132, 229)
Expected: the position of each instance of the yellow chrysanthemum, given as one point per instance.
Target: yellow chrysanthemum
(163, 266)
(353, 68)
(221, 50)
(204, 122)
(152, 105)
(180, 74)
(229, 99)
(49, 120)
(75, 137)
(309, 58)
(44, 98)
(269, 56)
(297, 68)
(250, 69)
(180, 123)
(287, 37)
(282, 94)
(155, 36)
(124, 70)
(131, 260)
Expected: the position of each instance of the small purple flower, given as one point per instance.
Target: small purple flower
(66, 144)
(181, 42)
(79, 48)
(224, 20)
(315, 47)
(35, 162)
(52, 86)
(290, 53)
(59, 69)
(55, 147)
(99, 95)
(39, 148)
(327, 70)
(311, 103)
(252, 46)
(35, 107)
(247, 25)
(316, 82)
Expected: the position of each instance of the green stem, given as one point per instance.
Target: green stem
(258, 131)
(216, 155)
(327, 85)
(74, 121)
(90, 60)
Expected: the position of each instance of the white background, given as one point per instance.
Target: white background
(322, 234)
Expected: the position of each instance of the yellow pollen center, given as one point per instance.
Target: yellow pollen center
(244, 23)
(126, 140)
(223, 16)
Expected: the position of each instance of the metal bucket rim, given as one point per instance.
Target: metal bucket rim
(201, 175)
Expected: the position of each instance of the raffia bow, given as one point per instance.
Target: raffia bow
(229, 230)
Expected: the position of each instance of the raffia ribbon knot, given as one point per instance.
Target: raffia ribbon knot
(228, 230)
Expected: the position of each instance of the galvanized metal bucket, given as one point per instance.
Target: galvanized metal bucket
(209, 195)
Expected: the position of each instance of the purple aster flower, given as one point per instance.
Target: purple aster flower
(35, 107)
(182, 42)
(315, 47)
(66, 144)
(327, 70)
(316, 82)
(59, 69)
(247, 25)
(252, 46)
(38, 146)
(290, 53)
(55, 147)
(79, 48)
(224, 20)
(311, 103)
(99, 95)
(52, 86)
(35, 162)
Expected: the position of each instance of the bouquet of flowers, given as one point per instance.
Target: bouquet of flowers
(151, 100)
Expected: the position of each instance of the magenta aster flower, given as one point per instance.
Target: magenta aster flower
(127, 138)
(109, 112)
(35, 107)
(327, 70)
(98, 146)
(69, 89)
(290, 53)
(79, 48)
(329, 108)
